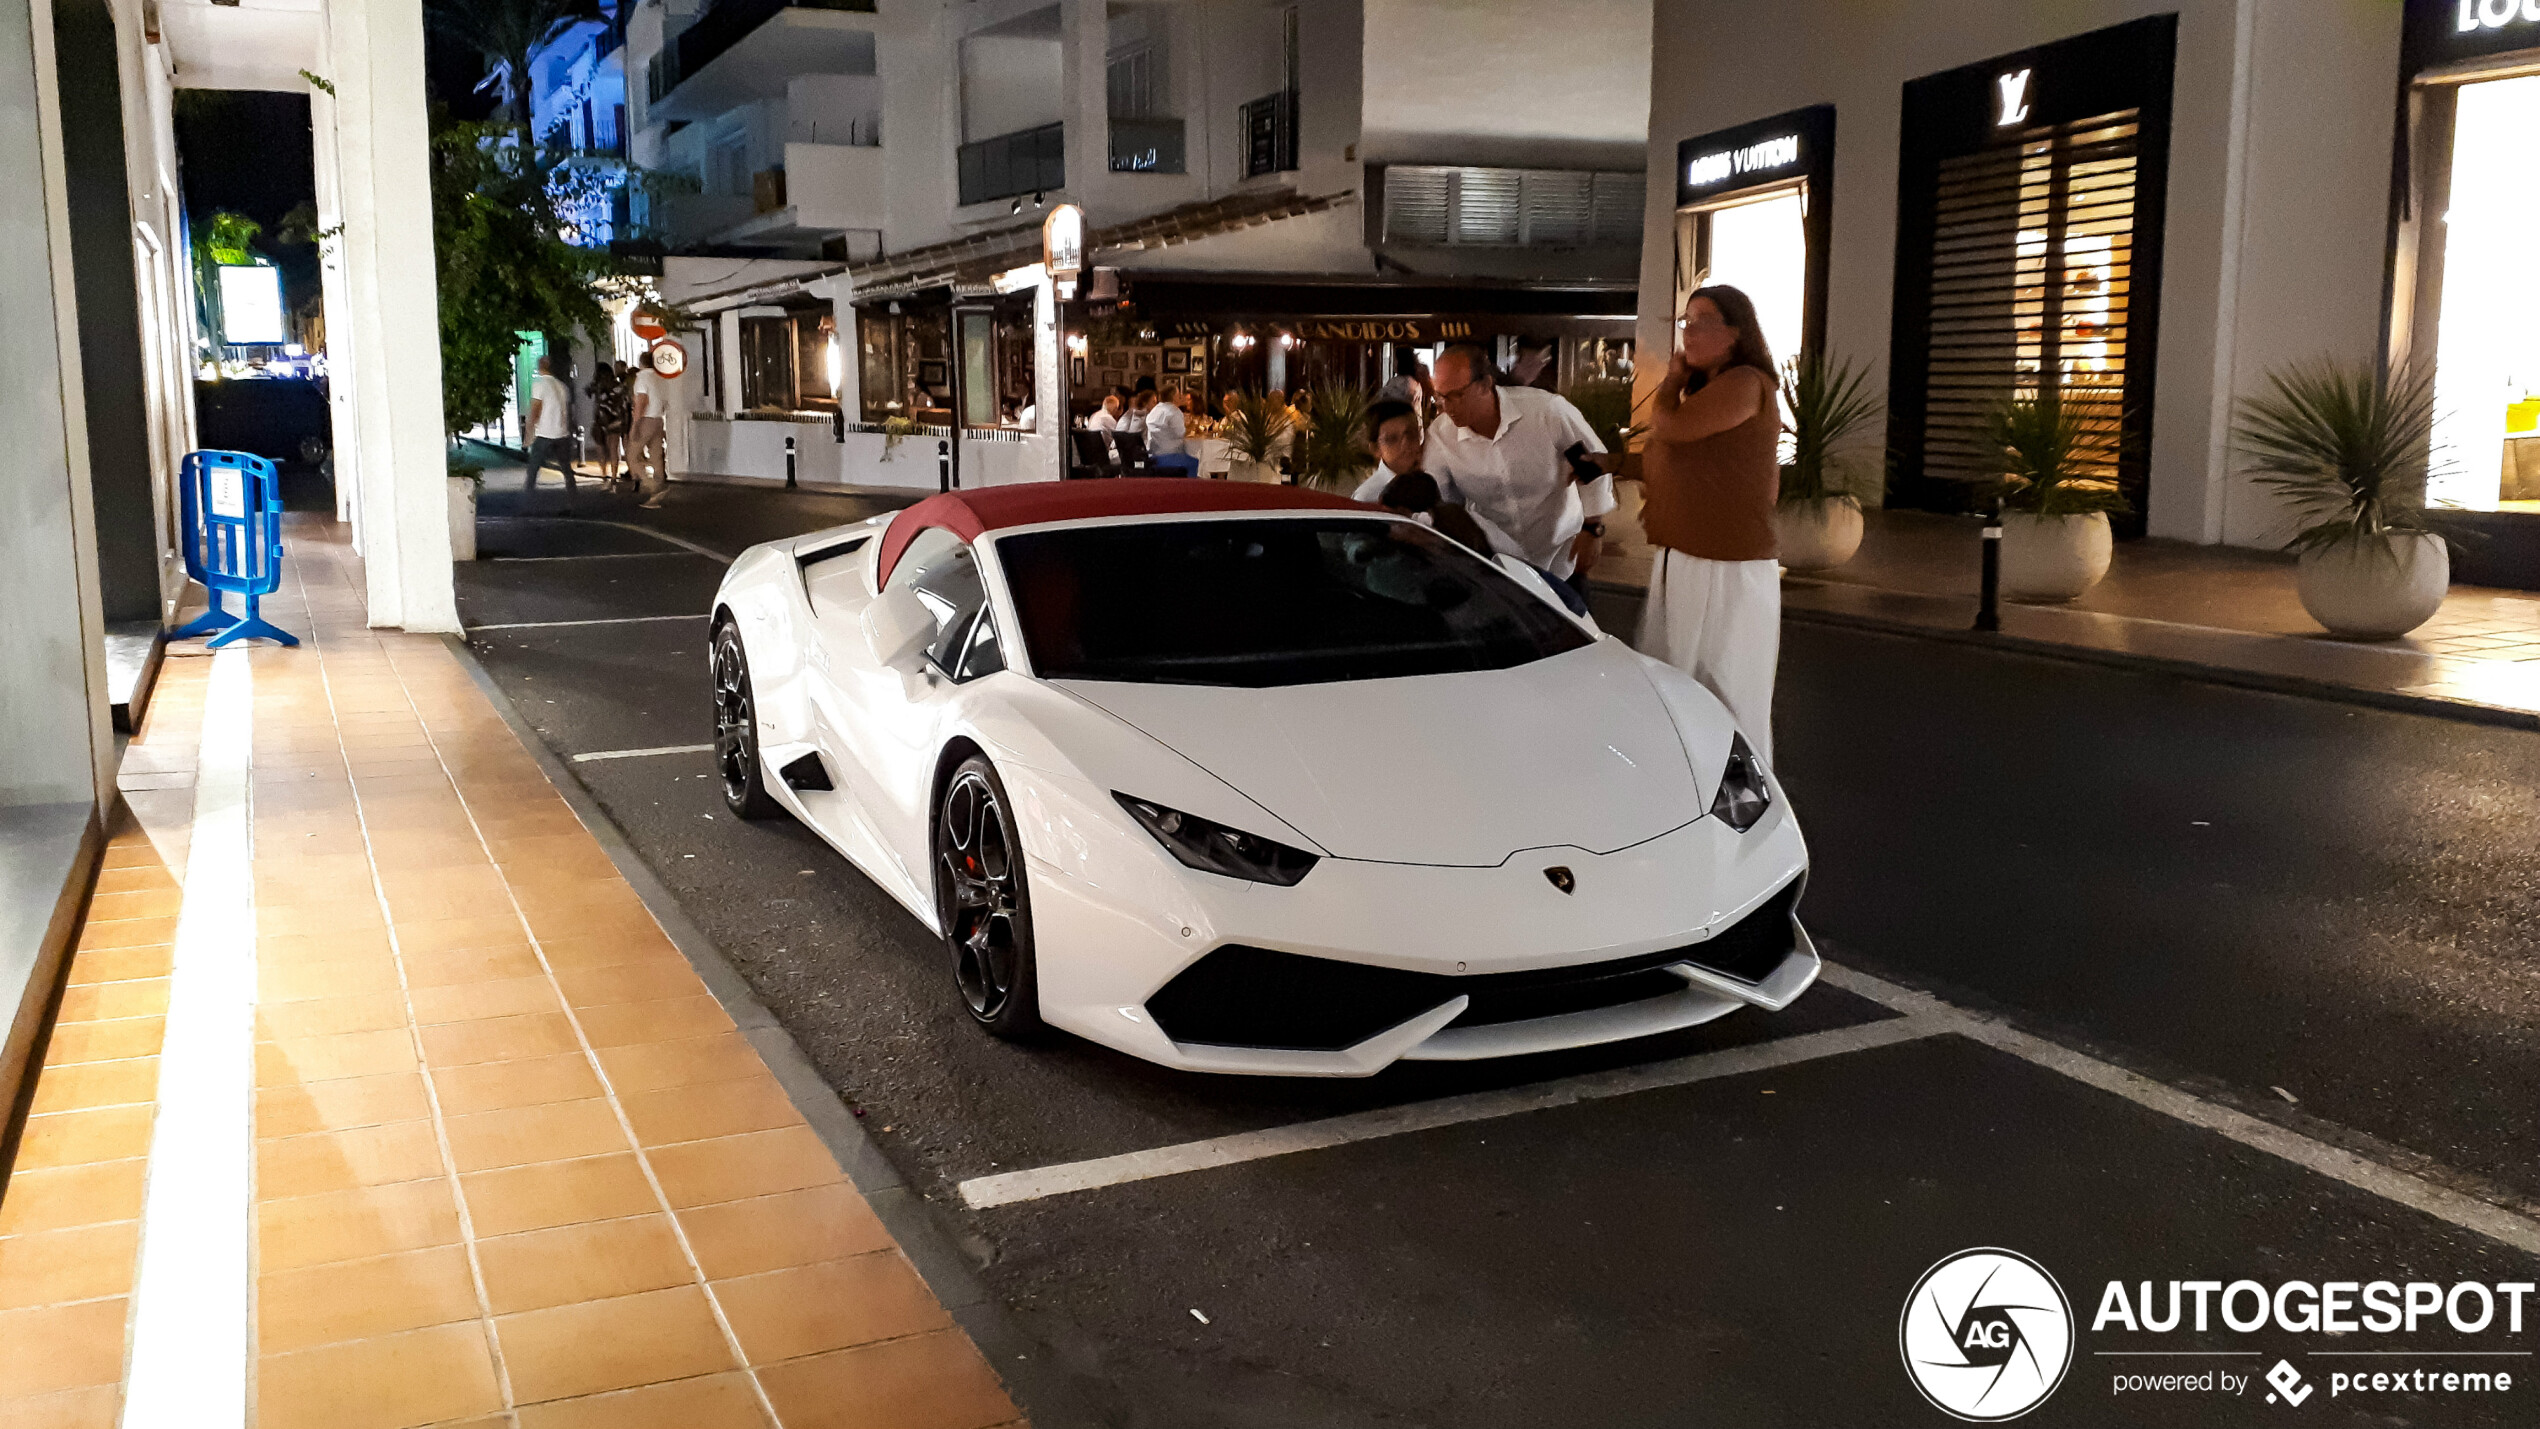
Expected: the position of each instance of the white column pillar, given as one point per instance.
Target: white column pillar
(344, 428)
(390, 326)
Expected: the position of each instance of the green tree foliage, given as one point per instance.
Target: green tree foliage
(503, 263)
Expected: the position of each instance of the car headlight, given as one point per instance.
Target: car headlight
(1744, 795)
(1215, 848)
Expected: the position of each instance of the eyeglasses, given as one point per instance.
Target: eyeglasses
(1456, 394)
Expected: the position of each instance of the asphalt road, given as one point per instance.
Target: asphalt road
(2322, 915)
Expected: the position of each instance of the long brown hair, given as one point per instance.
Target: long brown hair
(1738, 311)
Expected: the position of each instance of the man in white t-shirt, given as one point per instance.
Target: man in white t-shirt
(1504, 450)
(550, 429)
(646, 454)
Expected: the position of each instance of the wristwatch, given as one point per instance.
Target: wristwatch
(1594, 528)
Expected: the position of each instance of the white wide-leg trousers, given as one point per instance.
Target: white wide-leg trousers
(1720, 622)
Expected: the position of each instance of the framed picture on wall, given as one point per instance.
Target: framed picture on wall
(1075, 372)
(1145, 361)
(1111, 377)
(1177, 359)
(932, 373)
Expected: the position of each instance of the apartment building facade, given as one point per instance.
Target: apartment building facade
(1274, 195)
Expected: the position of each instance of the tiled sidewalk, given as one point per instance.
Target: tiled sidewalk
(512, 1163)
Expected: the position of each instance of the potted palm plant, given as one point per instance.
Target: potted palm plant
(2349, 452)
(1331, 454)
(1817, 522)
(1253, 433)
(2047, 454)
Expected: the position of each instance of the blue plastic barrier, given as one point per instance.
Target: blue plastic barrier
(232, 535)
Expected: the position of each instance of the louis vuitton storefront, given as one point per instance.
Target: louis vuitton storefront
(2150, 208)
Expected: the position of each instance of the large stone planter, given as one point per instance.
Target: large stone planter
(1243, 469)
(463, 491)
(2052, 558)
(2375, 589)
(1817, 535)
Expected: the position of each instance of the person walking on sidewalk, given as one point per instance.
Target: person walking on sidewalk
(611, 415)
(1711, 475)
(550, 429)
(647, 458)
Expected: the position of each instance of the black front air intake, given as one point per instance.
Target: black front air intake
(1243, 996)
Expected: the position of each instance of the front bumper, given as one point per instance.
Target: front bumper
(1116, 923)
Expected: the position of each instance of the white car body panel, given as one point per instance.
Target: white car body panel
(1435, 805)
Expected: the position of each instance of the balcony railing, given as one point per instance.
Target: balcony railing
(725, 24)
(1025, 161)
(1146, 146)
(1270, 134)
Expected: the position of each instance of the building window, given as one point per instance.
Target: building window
(768, 365)
(906, 365)
(2028, 257)
(1133, 82)
(996, 363)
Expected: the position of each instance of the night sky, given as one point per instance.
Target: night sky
(250, 151)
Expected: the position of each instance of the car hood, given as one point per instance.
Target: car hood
(1577, 750)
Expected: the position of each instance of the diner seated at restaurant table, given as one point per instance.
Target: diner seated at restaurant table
(1166, 434)
(1107, 417)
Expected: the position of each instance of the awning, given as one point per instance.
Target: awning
(972, 261)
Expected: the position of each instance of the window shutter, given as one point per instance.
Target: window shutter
(2031, 281)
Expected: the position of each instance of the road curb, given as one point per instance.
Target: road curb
(1046, 1392)
(2435, 706)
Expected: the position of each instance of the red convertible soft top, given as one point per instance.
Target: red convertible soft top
(968, 514)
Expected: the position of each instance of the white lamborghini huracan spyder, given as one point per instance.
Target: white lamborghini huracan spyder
(1244, 778)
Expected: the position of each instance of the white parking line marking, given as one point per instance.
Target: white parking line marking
(680, 541)
(1010, 1187)
(1923, 1016)
(591, 556)
(562, 624)
(190, 1342)
(642, 753)
(2414, 1192)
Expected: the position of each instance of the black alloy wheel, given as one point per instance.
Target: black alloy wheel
(983, 905)
(736, 730)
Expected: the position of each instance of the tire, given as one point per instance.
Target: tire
(736, 758)
(983, 904)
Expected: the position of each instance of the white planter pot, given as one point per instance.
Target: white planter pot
(2376, 590)
(2053, 557)
(1817, 535)
(462, 518)
(1239, 469)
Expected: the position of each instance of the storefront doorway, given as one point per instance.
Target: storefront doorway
(1753, 205)
(2463, 297)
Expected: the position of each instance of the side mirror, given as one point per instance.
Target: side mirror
(897, 625)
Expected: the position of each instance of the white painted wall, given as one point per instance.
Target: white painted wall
(1008, 83)
(2279, 172)
(1513, 82)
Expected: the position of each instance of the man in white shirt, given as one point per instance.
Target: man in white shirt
(1106, 420)
(1394, 435)
(550, 429)
(652, 408)
(1501, 450)
(1167, 431)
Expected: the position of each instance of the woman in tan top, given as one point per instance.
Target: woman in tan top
(1711, 476)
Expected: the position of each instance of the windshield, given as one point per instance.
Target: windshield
(1269, 602)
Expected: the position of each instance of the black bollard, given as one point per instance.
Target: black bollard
(790, 483)
(1989, 592)
(943, 466)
